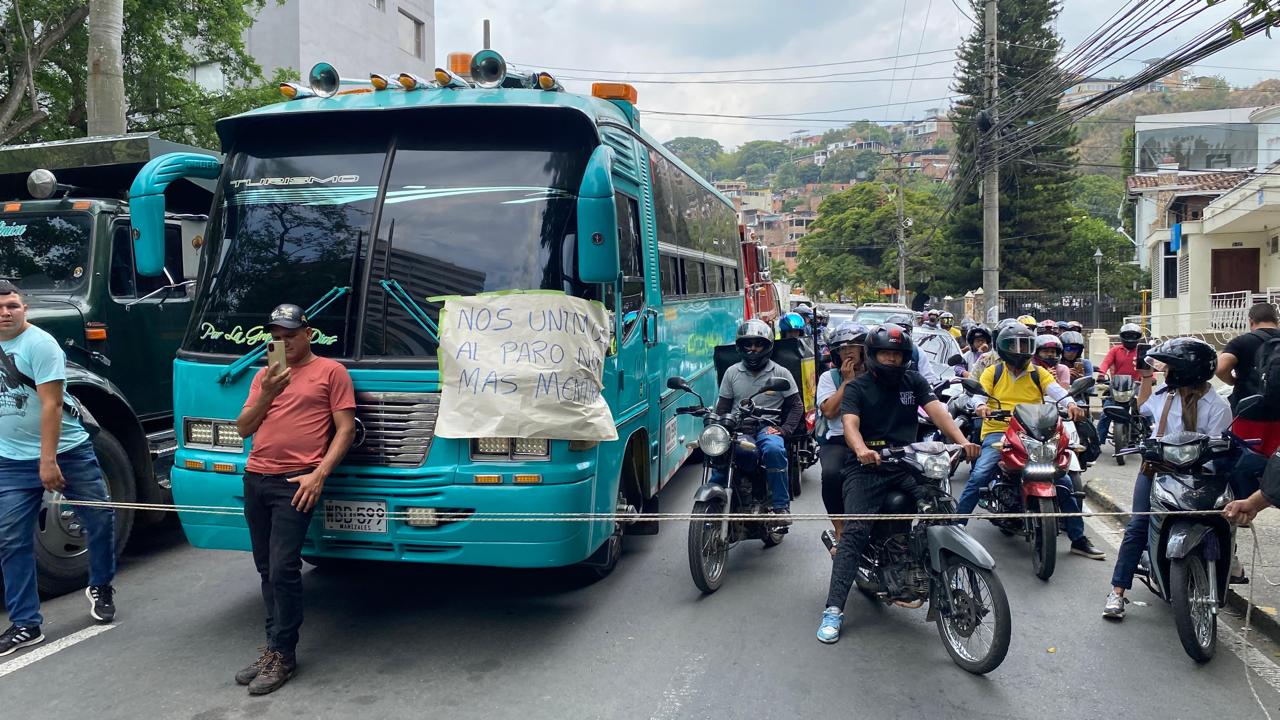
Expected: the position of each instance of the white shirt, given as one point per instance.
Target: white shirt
(827, 386)
(1213, 413)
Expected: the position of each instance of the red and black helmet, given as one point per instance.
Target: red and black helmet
(887, 337)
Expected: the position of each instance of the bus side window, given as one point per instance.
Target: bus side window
(715, 279)
(670, 272)
(694, 283)
(631, 255)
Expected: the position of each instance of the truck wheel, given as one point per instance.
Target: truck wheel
(61, 543)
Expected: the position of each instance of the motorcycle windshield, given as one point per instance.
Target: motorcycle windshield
(1121, 383)
(1038, 421)
(1183, 437)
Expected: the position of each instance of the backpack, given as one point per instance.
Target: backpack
(1264, 379)
(1035, 377)
(821, 424)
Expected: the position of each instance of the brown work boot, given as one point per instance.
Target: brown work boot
(245, 676)
(275, 672)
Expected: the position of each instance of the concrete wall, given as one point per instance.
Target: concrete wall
(273, 38)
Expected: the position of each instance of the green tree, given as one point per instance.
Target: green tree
(1099, 196)
(698, 153)
(850, 165)
(769, 153)
(1089, 234)
(1035, 184)
(162, 41)
(756, 174)
(788, 176)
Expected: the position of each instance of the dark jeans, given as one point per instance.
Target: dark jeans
(864, 492)
(1246, 469)
(771, 452)
(833, 454)
(1135, 535)
(20, 496)
(1104, 422)
(277, 530)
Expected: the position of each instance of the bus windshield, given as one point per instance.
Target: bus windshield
(461, 211)
(45, 253)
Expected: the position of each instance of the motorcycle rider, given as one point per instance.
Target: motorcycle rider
(1012, 381)
(1047, 327)
(879, 411)
(1073, 355)
(1185, 401)
(1029, 321)
(848, 363)
(805, 312)
(948, 323)
(1075, 326)
(792, 325)
(1120, 360)
(920, 363)
(932, 318)
(1049, 357)
(745, 379)
(979, 341)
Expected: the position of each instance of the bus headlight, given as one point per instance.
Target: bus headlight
(509, 448)
(714, 441)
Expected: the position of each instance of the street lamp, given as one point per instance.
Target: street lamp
(1097, 292)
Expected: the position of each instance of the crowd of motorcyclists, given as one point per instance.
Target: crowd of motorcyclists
(874, 390)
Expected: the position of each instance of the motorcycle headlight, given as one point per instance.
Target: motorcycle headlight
(935, 466)
(1122, 396)
(1180, 455)
(714, 440)
(1040, 452)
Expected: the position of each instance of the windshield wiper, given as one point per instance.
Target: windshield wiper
(237, 368)
(406, 301)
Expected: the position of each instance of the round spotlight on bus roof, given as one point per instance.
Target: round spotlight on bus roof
(488, 69)
(41, 184)
(324, 79)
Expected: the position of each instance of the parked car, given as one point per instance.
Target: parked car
(877, 313)
(839, 313)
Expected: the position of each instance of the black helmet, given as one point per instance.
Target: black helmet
(902, 321)
(977, 331)
(1130, 335)
(755, 330)
(1188, 362)
(1015, 345)
(850, 333)
(887, 337)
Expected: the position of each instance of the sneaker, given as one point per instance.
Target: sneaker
(782, 517)
(829, 630)
(246, 676)
(1237, 576)
(1084, 547)
(276, 671)
(19, 637)
(1114, 609)
(102, 606)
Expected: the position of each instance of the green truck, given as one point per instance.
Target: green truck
(65, 241)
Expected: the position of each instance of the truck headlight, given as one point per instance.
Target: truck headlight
(206, 434)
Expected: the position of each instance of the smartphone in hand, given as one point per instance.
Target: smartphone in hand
(275, 355)
(1143, 349)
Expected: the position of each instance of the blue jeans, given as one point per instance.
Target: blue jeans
(1135, 535)
(772, 450)
(984, 472)
(1104, 422)
(19, 509)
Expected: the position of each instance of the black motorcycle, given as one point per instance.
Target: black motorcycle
(744, 493)
(905, 564)
(1188, 559)
(1124, 394)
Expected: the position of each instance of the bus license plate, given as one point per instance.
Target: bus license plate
(353, 516)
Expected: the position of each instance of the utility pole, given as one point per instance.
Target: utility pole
(991, 176)
(104, 88)
(902, 239)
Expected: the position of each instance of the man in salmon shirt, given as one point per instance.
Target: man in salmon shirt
(302, 419)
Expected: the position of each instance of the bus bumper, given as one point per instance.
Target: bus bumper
(470, 541)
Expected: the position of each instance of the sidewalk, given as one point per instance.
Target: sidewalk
(1109, 488)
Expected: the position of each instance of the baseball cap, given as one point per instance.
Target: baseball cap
(288, 316)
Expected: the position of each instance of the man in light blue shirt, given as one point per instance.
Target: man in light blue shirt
(43, 446)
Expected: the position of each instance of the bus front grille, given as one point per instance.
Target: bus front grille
(393, 429)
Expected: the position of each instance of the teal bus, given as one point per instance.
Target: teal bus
(361, 202)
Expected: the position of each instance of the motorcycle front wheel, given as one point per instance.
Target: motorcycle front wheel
(976, 631)
(708, 548)
(1192, 607)
(1044, 540)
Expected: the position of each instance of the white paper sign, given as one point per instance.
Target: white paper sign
(524, 365)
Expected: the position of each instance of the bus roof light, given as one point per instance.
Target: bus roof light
(295, 91)
(447, 78)
(409, 81)
(614, 91)
(544, 81)
(459, 63)
(379, 81)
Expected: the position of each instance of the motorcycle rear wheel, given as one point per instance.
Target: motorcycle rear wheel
(708, 549)
(1197, 623)
(1044, 541)
(976, 631)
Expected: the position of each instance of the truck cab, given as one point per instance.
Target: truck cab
(65, 242)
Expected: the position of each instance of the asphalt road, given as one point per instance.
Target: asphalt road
(422, 642)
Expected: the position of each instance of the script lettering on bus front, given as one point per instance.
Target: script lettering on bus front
(239, 335)
(300, 180)
(8, 229)
(524, 365)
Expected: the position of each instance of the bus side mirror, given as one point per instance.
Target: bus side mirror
(146, 203)
(598, 221)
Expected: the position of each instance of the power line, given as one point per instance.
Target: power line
(766, 81)
(739, 70)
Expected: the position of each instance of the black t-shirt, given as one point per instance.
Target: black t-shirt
(1245, 347)
(887, 416)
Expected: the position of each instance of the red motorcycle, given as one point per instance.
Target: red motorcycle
(1035, 457)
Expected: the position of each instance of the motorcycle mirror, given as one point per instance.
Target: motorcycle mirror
(956, 360)
(678, 383)
(1248, 404)
(777, 384)
(1079, 386)
(972, 386)
(1117, 414)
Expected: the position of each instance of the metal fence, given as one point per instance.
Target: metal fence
(1043, 305)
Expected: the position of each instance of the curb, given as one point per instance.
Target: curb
(1263, 620)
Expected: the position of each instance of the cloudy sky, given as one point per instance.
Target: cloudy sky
(688, 38)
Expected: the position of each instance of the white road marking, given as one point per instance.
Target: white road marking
(681, 688)
(43, 651)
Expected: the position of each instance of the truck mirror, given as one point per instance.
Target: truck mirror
(146, 203)
(598, 221)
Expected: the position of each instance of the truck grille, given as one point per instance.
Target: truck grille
(397, 428)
